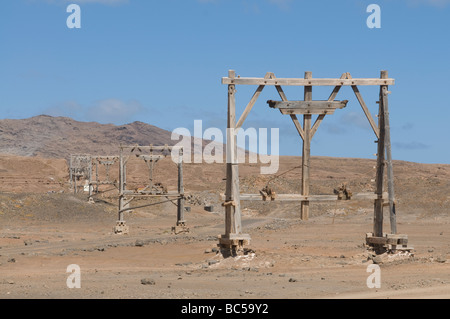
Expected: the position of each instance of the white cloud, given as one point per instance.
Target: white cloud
(114, 110)
(410, 145)
(67, 109)
(105, 2)
(103, 111)
(355, 118)
(407, 126)
(282, 4)
(435, 3)
(335, 129)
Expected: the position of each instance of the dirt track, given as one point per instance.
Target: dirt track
(324, 257)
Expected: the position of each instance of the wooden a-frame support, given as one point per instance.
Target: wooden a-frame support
(95, 180)
(80, 165)
(149, 191)
(233, 240)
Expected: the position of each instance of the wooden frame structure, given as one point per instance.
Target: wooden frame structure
(95, 180)
(150, 154)
(233, 239)
(80, 165)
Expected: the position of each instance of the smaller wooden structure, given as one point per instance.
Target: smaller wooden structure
(96, 180)
(150, 155)
(80, 167)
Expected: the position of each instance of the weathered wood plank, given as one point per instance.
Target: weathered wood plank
(231, 140)
(234, 240)
(378, 204)
(307, 104)
(299, 197)
(233, 223)
(387, 239)
(151, 157)
(180, 187)
(397, 236)
(306, 151)
(307, 107)
(387, 144)
(307, 82)
(377, 240)
(289, 111)
(132, 193)
(133, 148)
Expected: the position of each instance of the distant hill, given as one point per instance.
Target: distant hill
(58, 137)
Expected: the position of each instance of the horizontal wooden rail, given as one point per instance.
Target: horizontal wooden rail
(149, 194)
(308, 82)
(307, 107)
(315, 198)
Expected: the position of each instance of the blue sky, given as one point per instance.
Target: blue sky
(161, 62)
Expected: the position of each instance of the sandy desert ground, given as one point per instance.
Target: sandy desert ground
(45, 228)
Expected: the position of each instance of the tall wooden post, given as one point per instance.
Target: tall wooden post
(180, 201)
(306, 151)
(387, 143)
(233, 239)
(150, 166)
(121, 227)
(233, 210)
(121, 186)
(96, 176)
(75, 181)
(378, 205)
(70, 172)
(90, 189)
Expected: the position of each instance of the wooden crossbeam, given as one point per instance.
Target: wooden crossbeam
(307, 82)
(132, 148)
(113, 157)
(307, 107)
(151, 157)
(149, 194)
(316, 198)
